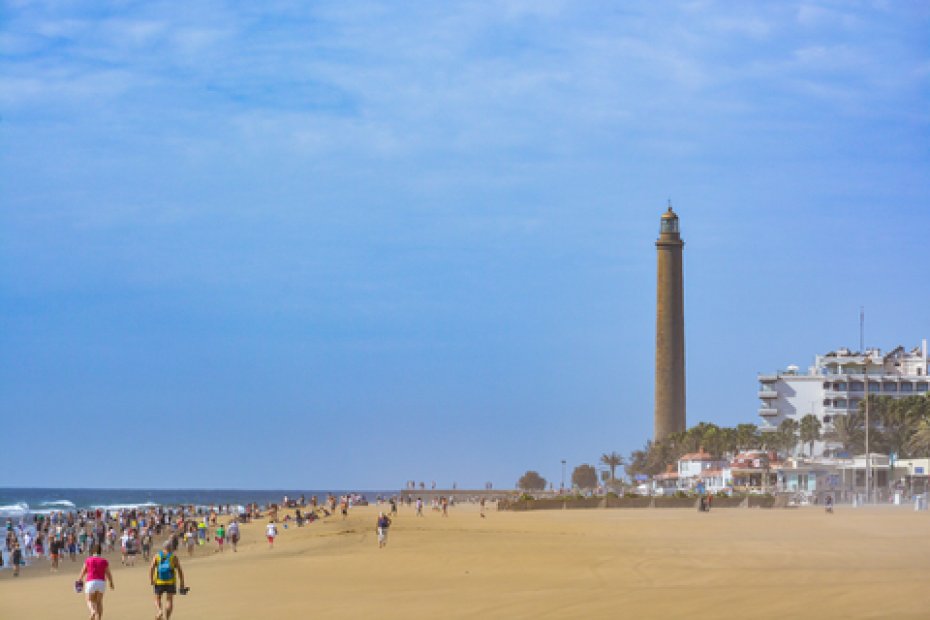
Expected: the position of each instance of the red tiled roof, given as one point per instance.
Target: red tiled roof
(697, 456)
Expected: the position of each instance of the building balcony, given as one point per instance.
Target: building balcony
(768, 411)
(771, 378)
(766, 394)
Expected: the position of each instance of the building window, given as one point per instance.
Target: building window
(857, 386)
(921, 387)
(907, 387)
(889, 387)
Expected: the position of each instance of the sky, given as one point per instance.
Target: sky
(350, 244)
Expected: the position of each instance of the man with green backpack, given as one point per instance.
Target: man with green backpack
(167, 578)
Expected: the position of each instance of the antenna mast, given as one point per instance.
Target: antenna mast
(862, 328)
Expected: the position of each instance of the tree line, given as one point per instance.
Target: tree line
(899, 426)
(584, 476)
(896, 425)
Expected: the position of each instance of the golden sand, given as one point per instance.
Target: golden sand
(659, 563)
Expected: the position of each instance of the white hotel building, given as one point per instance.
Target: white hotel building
(835, 385)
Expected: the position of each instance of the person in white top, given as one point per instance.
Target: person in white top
(271, 531)
(124, 547)
(27, 544)
(233, 533)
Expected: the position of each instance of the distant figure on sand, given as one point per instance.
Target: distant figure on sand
(828, 504)
(481, 504)
(166, 576)
(383, 524)
(419, 506)
(233, 532)
(16, 558)
(97, 571)
(271, 531)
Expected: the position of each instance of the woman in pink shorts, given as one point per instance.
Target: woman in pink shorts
(97, 571)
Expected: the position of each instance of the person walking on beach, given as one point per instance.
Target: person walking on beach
(72, 547)
(27, 544)
(97, 571)
(383, 524)
(166, 576)
(481, 512)
(16, 557)
(419, 506)
(220, 537)
(124, 547)
(146, 544)
(54, 550)
(271, 531)
(190, 540)
(233, 531)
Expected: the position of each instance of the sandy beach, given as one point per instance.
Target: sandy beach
(866, 563)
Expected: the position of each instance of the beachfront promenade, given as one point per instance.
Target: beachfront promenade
(460, 495)
(856, 563)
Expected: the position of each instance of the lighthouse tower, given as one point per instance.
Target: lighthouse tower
(670, 330)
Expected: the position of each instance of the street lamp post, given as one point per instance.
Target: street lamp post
(868, 454)
(562, 488)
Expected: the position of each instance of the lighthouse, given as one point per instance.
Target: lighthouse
(670, 329)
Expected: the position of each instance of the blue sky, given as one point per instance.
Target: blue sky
(350, 244)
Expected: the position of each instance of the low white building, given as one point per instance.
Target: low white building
(701, 470)
(695, 471)
(836, 384)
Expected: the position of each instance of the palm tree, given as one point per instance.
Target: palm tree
(900, 423)
(730, 440)
(747, 437)
(919, 443)
(849, 431)
(613, 460)
(810, 431)
(638, 462)
(788, 431)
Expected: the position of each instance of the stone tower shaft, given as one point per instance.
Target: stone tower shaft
(670, 330)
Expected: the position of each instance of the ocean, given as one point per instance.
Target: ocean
(17, 503)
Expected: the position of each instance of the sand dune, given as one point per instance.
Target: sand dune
(868, 563)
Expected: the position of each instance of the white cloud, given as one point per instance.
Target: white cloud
(753, 27)
(815, 16)
(831, 57)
